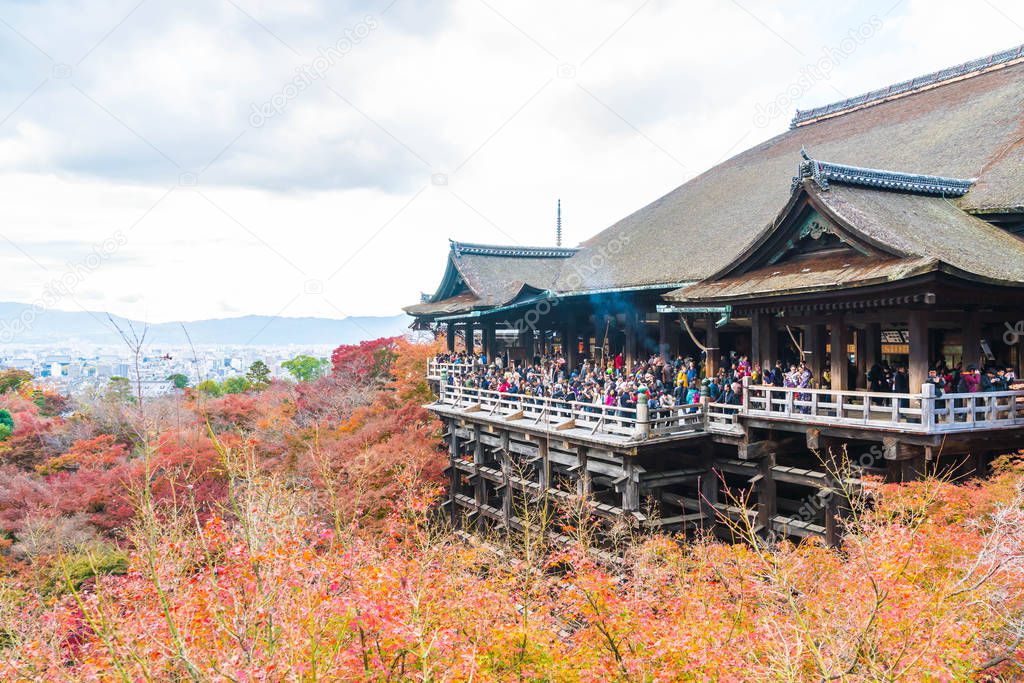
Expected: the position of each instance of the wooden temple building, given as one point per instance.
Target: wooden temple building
(887, 226)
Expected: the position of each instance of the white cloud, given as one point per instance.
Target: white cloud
(340, 177)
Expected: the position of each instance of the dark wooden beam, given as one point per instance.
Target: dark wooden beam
(765, 483)
(571, 341)
(470, 338)
(714, 352)
(972, 338)
(919, 347)
(860, 358)
(872, 345)
(840, 339)
(816, 338)
(630, 351)
(665, 335)
(453, 474)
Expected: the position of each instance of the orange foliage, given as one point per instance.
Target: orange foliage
(99, 452)
(288, 536)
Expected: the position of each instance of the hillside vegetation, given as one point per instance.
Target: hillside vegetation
(291, 534)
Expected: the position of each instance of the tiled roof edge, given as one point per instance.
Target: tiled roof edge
(460, 248)
(823, 173)
(971, 68)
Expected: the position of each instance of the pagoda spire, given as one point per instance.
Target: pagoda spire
(558, 225)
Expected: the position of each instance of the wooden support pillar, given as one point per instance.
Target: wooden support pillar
(543, 467)
(906, 469)
(904, 461)
(708, 489)
(840, 339)
(919, 350)
(584, 486)
(453, 473)
(587, 335)
(506, 470)
(630, 351)
(470, 339)
(764, 337)
(711, 342)
(981, 460)
(861, 354)
(489, 339)
(665, 336)
(1017, 359)
(709, 499)
(449, 337)
(630, 486)
(675, 335)
(757, 340)
(479, 485)
(766, 498)
(571, 343)
(770, 345)
(816, 337)
(830, 510)
(972, 338)
(526, 338)
(872, 345)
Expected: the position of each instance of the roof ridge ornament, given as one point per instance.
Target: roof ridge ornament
(964, 70)
(466, 248)
(824, 172)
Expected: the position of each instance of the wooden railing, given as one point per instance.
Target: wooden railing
(438, 370)
(988, 410)
(918, 413)
(596, 419)
(675, 420)
(828, 406)
(549, 413)
(723, 418)
(922, 413)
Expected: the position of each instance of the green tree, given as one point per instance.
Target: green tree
(210, 388)
(6, 424)
(179, 380)
(258, 375)
(306, 368)
(119, 390)
(236, 385)
(11, 380)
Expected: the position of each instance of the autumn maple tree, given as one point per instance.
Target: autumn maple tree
(292, 534)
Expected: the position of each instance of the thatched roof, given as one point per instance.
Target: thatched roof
(970, 128)
(803, 276)
(459, 303)
(914, 234)
(930, 227)
(481, 276)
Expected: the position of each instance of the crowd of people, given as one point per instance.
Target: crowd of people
(662, 384)
(680, 381)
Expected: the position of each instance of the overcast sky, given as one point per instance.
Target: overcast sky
(210, 158)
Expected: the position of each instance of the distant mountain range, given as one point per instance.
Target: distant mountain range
(55, 327)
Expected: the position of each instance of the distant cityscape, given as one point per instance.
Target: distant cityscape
(74, 352)
(75, 370)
